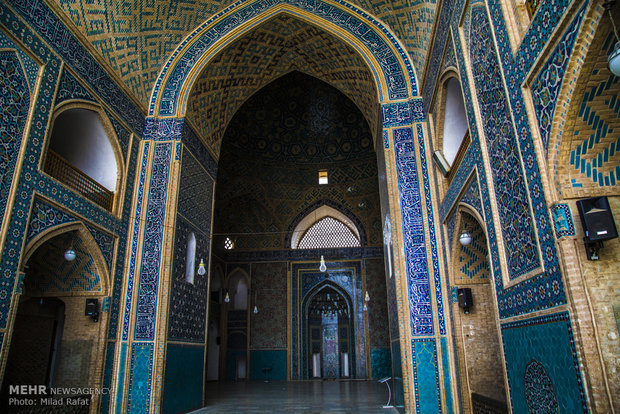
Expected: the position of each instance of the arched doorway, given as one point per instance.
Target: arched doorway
(475, 315)
(60, 322)
(330, 325)
(379, 78)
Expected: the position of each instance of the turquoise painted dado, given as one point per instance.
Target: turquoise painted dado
(274, 359)
(184, 373)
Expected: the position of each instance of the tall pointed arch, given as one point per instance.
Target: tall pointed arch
(389, 63)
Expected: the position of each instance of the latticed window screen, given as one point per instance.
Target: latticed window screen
(328, 232)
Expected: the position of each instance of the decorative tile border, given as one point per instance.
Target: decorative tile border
(509, 182)
(419, 295)
(562, 220)
(148, 284)
(546, 86)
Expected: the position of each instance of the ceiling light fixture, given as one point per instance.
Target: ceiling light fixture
(614, 57)
(201, 268)
(465, 238)
(322, 267)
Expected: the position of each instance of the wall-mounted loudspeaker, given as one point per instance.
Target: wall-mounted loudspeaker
(465, 298)
(598, 223)
(596, 218)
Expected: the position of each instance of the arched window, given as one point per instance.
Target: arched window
(81, 156)
(454, 121)
(190, 263)
(323, 228)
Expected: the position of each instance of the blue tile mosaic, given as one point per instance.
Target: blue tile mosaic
(381, 362)
(70, 88)
(13, 116)
(134, 241)
(544, 290)
(510, 185)
(437, 47)
(30, 66)
(419, 296)
(431, 232)
(426, 376)
(445, 352)
(546, 87)
(140, 377)
(188, 301)
(146, 304)
(305, 279)
(543, 373)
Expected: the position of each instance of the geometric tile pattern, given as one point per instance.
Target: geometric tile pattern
(268, 328)
(378, 323)
(135, 39)
(307, 211)
(541, 371)
(437, 47)
(44, 216)
(546, 87)
(195, 193)
(472, 265)
(188, 301)
(48, 272)
(265, 186)
(300, 119)
(545, 290)
(345, 278)
(30, 66)
(595, 145)
(31, 180)
(15, 97)
(511, 192)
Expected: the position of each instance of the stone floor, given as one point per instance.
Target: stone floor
(296, 397)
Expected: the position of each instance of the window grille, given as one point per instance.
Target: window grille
(328, 232)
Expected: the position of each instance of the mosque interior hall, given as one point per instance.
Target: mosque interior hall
(299, 206)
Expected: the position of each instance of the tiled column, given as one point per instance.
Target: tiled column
(423, 330)
(143, 336)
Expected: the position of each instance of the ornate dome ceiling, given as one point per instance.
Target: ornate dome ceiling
(277, 47)
(300, 120)
(135, 38)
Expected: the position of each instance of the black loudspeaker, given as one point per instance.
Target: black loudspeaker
(92, 309)
(596, 218)
(466, 299)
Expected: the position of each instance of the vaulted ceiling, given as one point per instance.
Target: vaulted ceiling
(136, 37)
(277, 47)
